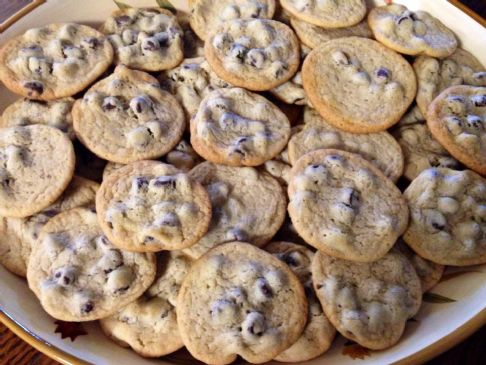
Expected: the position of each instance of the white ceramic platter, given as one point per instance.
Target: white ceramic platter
(437, 327)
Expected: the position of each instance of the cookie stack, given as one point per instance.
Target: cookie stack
(252, 109)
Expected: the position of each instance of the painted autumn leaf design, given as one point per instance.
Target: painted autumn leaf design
(436, 298)
(355, 351)
(70, 329)
(121, 5)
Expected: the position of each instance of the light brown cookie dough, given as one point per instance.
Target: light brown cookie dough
(238, 128)
(411, 33)
(358, 85)
(447, 217)
(247, 205)
(149, 325)
(208, 15)
(126, 117)
(428, 272)
(148, 39)
(314, 36)
(78, 275)
(457, 119)
(240, 300)
(381, 149)
(18, 235)
(343, 205)
(435, 75)
(190, 82)
(421, 150)
(327, 13)
(369, 303)
(319, 332)
(150, 206)
(36, 165)
(54, 61)
(55, 113)
(257, 54)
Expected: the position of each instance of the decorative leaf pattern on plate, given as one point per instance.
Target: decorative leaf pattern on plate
(437, 298)
(166, 4)
(355, 351)
(121, 5)
(70, 329)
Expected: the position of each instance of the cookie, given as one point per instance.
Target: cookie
(190, 82)
(149, 206)
(411, 33)
(147, 39)
(78, 275)
(149, 325)
(193, 45)
(421, 150)
(256, 54)
(435, 75)
(208, 15)
(18, 235)
(428, 272)
(126, 117)
(457, 119)
(327, 13)
(344, 206)
(240, 300)
(55, 113)
(238, 128)
(368, 303)
(358, 85)
(54, 61)
(313, 36)
(380, 148)
(318, 333)
(412, 116)
(447, 215)
(247, 205)
(37, 164)
(292, 91)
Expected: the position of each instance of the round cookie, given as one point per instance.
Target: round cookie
(208, 15)
(358, 85)
(55, 113)
(428, 272)
(54, 61)
(411, 33)
(149, 325)
(457, 119)
(149, 206)
(314, 36)
(368, 303)
(318, 333)
(247, 205)
(343, 205)
(126, 117)
(190, 82)
(447, 215)
(78, 275)
(380, 148)
(238, 128)
(36, 165)
(240, 300)
(18, 235)
(256, 54)
(147, 39)
(421, 150)
(327, 13)
(435, 75)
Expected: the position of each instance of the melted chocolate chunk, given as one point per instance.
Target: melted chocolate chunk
(265, 288)
(479, 100)
(87, 307)
(165, 182)
(123, 20)
(35, 87)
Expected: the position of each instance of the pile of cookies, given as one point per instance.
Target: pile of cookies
(212, 128)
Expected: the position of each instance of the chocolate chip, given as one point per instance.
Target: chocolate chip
(238, 51)
(473, 121)
(279, 72)
(438, 226)
(383, 72)
(147, 239)
(104, 240)
(353, 199)
(309, 291)
(57, 275)
(290, 260)
(123, 20)
(35, 86)
(163, 39)
(92, 42)
(479, 100)
(238, 151)
(50, 212)
(39, 102)
(87, 307)
(165, 182)
(141, 182)
(151, 45)
(66, 280)
(125, 288)
(108, 104)
(265, 289)
(241, 140)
